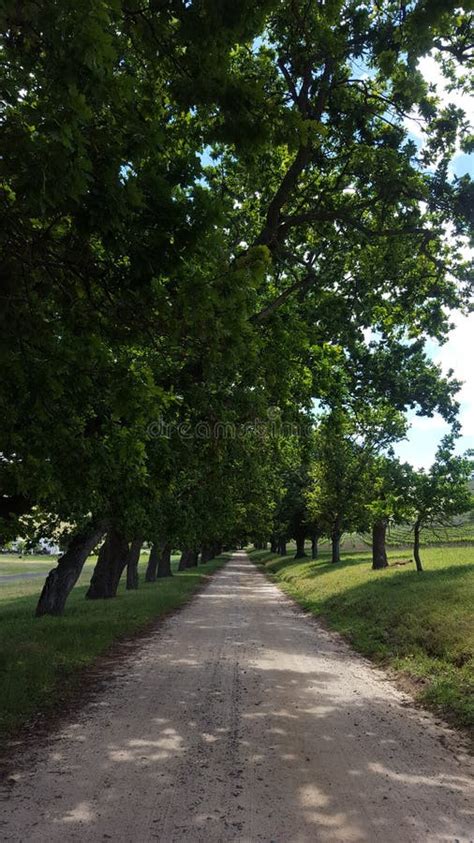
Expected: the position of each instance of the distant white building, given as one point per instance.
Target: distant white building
(49, 547)
(44, 546)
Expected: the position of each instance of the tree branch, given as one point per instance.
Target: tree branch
(266, 312)
(269, 234)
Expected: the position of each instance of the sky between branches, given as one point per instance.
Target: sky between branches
(458, 352)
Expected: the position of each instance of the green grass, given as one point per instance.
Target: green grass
(401, 535)
(12, 564)
(462, 533)
(41, 659)
(419, 624)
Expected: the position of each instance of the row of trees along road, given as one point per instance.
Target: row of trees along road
(204, 207)
(348, 480)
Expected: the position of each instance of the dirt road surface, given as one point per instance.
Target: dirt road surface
(243, 720)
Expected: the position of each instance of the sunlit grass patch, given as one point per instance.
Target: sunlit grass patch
(41, 658)
(419, 624)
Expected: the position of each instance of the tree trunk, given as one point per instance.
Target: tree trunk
(120, 566)
(192, 558)
(299, 538)
(110, 564)
(282, 546)
(416, 546)
(314, 546)
(132, 564)
(379, 554)
(153, 559)
(336, 547)
(164, 564)
(183, 562)
(274, 544)
(62, 579)
(207, 553)
(215, 550)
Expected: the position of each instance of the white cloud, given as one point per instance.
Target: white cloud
(430, 69)
(431, 423)
(425, 433)
(458, 354)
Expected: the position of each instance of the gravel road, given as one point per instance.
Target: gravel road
(242, 719)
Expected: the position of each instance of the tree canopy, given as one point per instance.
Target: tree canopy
(210, 211)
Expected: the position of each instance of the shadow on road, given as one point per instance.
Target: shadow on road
(243, 720)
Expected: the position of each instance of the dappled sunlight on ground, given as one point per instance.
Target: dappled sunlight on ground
(243, 720)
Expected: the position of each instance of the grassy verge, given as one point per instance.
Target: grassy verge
(421, 625)
(10, 564)
(41, 659)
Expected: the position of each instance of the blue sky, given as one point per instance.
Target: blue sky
(425, 433)
(458, 352)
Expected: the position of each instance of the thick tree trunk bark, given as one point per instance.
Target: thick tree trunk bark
(120, 566)
(110, 565)
(183, 562)
(192, 558)
(208, 552)
(379, 553)
(299, 538)
(164, 563)
(282, 547)
(62, 579)
(314, 546)
(153, 559)
(132, 564)
(416, 547)
(274, 544)
(336, 547)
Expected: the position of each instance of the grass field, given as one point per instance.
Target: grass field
(462, 533)
(41, 658)
(401, 536)
(12, 564)
(419, 624)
